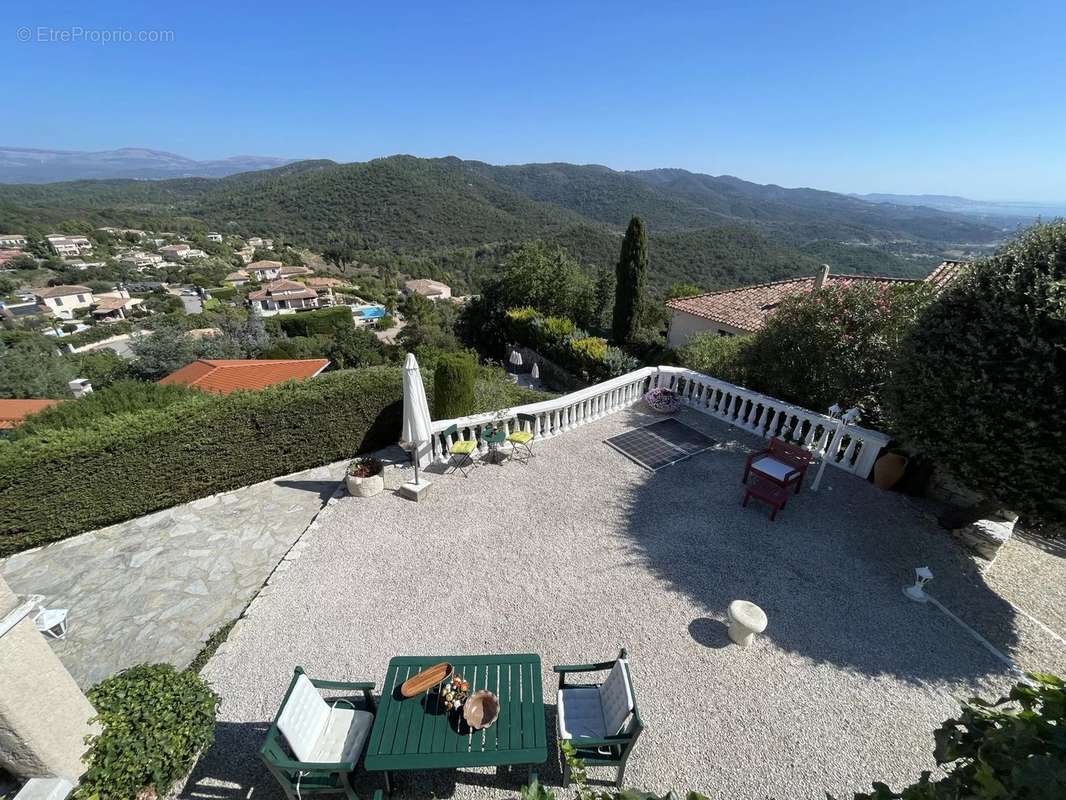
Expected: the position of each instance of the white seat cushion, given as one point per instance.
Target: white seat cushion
(303, 719)
(774, 468)
(616, 697)
(344, 736)
(580, 713)
(595, 712)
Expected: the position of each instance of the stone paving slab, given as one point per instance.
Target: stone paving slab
(155, 588)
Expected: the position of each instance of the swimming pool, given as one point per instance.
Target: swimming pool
(370, 312)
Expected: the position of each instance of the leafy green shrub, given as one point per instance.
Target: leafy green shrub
(97, 333)
(555, 330)
(979, 384)
(836, 345)
(123, 397)
(64, 481)
(522, 324)
(101, 367)
(223, 292)
(582, 790)
(590, 352)
(1013, 748)
(720, 357)
(154, 721)
(453, 382)
(310, 323)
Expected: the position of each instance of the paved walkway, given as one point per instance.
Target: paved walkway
(155, 588)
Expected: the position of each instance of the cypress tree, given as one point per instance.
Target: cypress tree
(453, 386)
(629, 282)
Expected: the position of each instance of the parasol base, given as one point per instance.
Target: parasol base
(415, 491)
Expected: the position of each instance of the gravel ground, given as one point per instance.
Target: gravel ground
(580, 552)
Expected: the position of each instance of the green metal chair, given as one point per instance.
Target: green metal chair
(600, 720)
(460, 452)
(324, 740)
(524, 438)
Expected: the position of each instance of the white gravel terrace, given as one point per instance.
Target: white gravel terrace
(579, 552)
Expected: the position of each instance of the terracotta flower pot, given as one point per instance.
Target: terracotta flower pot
(888, 469)
(365, 487)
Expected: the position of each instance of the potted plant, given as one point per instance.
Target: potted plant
(364, 478)
(663, 400)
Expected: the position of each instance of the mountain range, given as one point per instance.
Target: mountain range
(715, 231)
(27, 165)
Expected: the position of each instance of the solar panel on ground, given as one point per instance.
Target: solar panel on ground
(660, 444)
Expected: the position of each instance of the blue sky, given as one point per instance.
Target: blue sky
(932, 97)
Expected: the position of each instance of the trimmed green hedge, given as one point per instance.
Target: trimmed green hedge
(454, 380)
(62, 482)
(310, 323)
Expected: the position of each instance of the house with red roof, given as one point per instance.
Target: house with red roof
(222, 376)
(13, 412)
(738, 312)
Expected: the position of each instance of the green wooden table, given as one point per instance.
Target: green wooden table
(416, 733)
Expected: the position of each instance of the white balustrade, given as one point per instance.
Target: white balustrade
(756, 413)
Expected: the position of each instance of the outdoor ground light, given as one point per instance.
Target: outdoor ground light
(922, 576)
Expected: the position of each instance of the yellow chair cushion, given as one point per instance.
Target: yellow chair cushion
(520, 437)
(463, 447)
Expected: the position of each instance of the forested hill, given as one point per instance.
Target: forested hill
(712, 231)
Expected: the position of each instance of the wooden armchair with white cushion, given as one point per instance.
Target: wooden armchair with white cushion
(325, 738)
(600, 720)
(781, 463)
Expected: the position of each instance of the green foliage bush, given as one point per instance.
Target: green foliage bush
(979, 385)
(123, 397)
(101, 367)
(1012, 749)
(154, 721)
(556, 330)
(720, 357)
(590, 352)
(321, 321)
(97, 333)
(453, 383)
(223, 292)
(837, 345)
(63, 481)
(562, 341)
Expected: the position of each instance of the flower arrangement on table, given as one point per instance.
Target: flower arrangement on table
(454, 691)
(663, 400)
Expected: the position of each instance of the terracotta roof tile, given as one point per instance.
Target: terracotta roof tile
(61, 291)
(748, 307)
(223, 376)
(12, 412)
(947, 272)
(290, 289)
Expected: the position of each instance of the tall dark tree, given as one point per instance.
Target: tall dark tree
(630, 276)
(603, 297)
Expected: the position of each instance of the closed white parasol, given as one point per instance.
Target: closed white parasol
(416, 423)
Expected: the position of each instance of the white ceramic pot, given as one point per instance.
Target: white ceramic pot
(365, 487)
